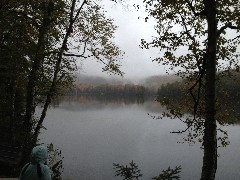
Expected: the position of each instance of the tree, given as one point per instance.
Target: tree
(192, 36)
(132, 172)
(40, 43)
(16, 40)
(43, 31)
(91, 31)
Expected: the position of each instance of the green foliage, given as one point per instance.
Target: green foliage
(227, 97)
(130, 172)
(21, 23)
(169, 174)
(55, 159)
(93, 35)
(183, 37)
(174, 91)
(227, 106)
(40, 43)
(182, 34)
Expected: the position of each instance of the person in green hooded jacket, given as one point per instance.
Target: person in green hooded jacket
(37, 169)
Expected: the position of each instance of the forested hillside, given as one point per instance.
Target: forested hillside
(96, 84)
(227, 91)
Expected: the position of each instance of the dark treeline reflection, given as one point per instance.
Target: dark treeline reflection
(103, 99)
(120, 90)
(88, 102)
(113, 129)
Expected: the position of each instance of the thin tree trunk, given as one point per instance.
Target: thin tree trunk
(32, 79)
(12, 100)
(57, 68)
(210, 134)
(39, 57)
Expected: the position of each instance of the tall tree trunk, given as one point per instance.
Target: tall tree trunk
(52, 89)
(210, 134)
(12, 109)
(39, 57)
(33, 77)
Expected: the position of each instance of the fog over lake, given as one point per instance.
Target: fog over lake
(93, 135)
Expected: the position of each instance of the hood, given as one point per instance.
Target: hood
(39, 154)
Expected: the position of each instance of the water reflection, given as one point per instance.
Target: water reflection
(89, 103)
(93, 134)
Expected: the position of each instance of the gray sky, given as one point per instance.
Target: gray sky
(136, 62)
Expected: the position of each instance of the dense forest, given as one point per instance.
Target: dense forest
(118, 88)
(126, 90)
(40, 43)
(227, 92)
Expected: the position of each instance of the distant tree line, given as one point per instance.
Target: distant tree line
(127, 90)
(227, 91)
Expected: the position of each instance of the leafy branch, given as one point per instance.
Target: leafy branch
(169, 174)
(132, 172)
(127, 172)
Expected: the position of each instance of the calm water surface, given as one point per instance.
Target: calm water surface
(94, 135)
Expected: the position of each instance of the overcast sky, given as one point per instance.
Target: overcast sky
(136, 62)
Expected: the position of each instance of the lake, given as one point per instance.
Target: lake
(93, 135)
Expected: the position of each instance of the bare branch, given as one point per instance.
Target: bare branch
(223, 28)
(72, 11)
(235, 38)
(85, 46)
(186, 29)
(76, 55)
(179, 118)
(79, 10)
(79, 55)
(193, 10)
(199, 83)
(183, 131)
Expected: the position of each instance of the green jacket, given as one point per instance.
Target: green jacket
(37, 170)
